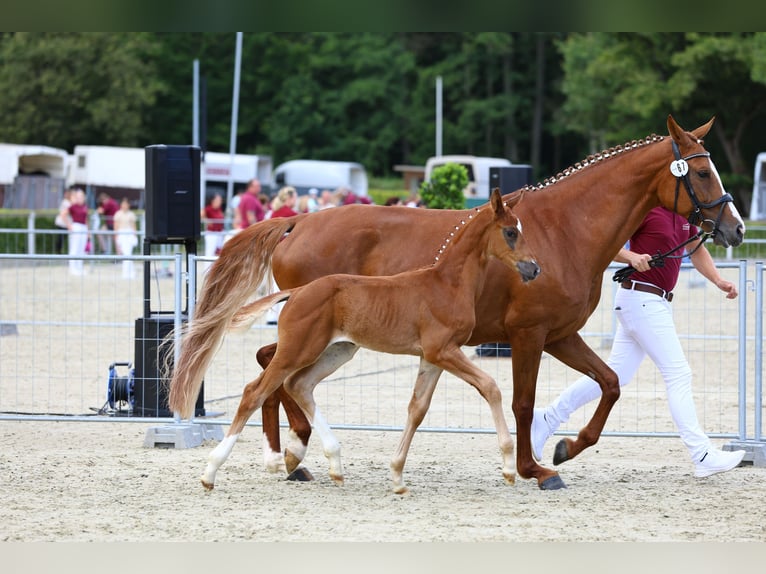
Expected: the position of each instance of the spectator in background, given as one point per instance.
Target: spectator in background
(62, 220)
(212, 216)
(250, 208)
(312, 202)
(77, 224)
(326, 199)
(107, 207)
(284, 203)
(395, 200)
(126, 238)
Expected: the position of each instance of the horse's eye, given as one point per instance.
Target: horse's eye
(511, 233)
(704, 174)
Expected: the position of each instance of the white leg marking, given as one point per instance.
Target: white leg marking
(330, 445)
(274, 461)
(217, 457)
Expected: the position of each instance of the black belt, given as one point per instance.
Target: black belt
(647, 289)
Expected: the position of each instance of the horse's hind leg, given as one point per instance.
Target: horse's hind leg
(300, 429)
(425, 384)
(301, 387)
(253, 396)
(272, 449)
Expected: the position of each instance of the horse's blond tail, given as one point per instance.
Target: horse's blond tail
(241, 267)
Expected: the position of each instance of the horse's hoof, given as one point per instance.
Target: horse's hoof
(401, 489)
(552, 483)
(207, 485)
(561, 454)
(301, 474)
(337, 479)
(291, 461)
(510, 478)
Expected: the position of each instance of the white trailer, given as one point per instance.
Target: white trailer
(32, 176)
(758, 202)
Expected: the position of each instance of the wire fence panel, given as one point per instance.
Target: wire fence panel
(59, 335)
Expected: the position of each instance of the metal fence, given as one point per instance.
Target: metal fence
(61, 333)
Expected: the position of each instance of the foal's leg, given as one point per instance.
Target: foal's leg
(300, 429)
(453, 360)
(253, 396)
(301, 387)
(575, 353)
(425, 384)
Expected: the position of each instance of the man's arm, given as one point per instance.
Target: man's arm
(703, 262)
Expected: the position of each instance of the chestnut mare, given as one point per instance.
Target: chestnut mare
(575, 223)
(427, 312)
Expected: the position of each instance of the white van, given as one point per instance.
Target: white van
(478, 172)
(303, 174)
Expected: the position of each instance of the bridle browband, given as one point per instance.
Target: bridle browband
(680, 169)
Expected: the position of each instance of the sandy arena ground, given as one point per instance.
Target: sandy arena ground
(88, 481)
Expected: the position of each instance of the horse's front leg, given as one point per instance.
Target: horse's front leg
(454, 361)
(425, 384)
(527, 351)
(575, 353)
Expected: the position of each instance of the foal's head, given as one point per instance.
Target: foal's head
(508, 244)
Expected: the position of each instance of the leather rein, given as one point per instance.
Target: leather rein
(707, 227)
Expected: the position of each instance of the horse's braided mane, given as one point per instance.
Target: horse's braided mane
(594, 159)
(579, 166)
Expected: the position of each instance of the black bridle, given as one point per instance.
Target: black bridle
(707, 227)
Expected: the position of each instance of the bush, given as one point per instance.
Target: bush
(445, 190)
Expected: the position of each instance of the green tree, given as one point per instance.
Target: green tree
(63, 89)
(622, 86)
(445, 190)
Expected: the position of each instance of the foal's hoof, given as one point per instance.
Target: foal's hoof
(552, 483)
(561, 454)
(207, 485)
(301, 474)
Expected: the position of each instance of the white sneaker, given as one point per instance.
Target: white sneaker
(716, 461)
(539, 433)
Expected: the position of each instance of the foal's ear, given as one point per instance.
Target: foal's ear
(497, 202)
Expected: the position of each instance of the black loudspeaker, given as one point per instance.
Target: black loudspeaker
(172, 193)
(149, 391)
(509, 179)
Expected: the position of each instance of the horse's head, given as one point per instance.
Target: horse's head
(694, 188)
(509, 245)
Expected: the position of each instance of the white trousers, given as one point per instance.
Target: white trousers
(645, 327)
(78, 239)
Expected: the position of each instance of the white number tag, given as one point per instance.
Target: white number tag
(679, 168)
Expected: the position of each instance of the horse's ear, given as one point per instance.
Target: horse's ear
(513, 200)
(675, 131)
(702, 131)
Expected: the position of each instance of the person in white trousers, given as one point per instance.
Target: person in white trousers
(645, 327)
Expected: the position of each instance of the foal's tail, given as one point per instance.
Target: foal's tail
(246, 316)
(234, 277)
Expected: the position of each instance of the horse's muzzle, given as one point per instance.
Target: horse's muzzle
(729, 237)
(528, 270)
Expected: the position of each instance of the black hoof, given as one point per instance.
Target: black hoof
(301, 474)
(561, 454)
(553, 483)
